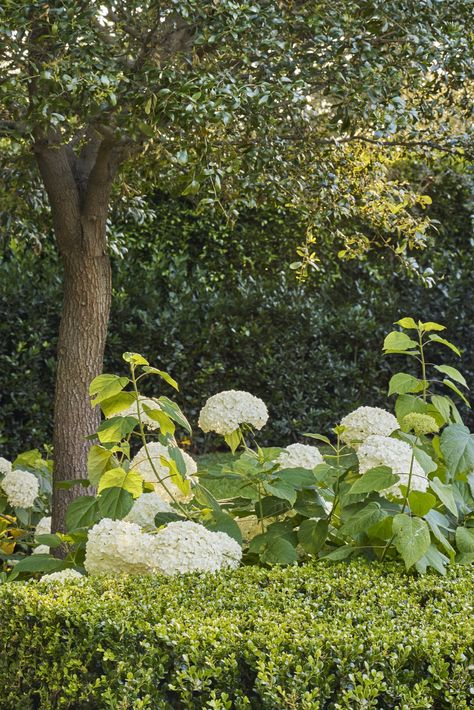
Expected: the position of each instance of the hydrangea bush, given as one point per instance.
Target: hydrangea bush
(381, 485)
(25, 498)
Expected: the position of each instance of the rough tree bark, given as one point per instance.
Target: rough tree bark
(78, 188)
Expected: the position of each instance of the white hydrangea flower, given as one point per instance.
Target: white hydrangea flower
(41, 550)
(43, 526)
(65, 575)
(151, 403)
(21, 488)
(145, 508)
(225, 411)
(300, 456)
(5, 465)
(367, 421)
(384, 451)
(115, 546)
(185, 546)
(141, 464)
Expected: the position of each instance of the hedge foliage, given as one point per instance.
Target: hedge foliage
(304, 637)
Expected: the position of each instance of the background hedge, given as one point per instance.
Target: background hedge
(219, 308)
(309, 637)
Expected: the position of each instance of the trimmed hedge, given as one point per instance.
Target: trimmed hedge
(315, 636)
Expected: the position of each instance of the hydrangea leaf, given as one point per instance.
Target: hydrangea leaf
(113, 430)
(362, 519)
(106, 386)
(98, 461)
(465, 539)
(173, 411)
(396, 342)
(432, 558)
(130, 481)
(407, 323)
(115, 503)
(453, 373)
(421, 502)
(82, 513)
(312, 535)
(164, 375)
(443, 341)
(375, 479)
(457, 446)
(412, 538)
(117, 403)
(166, 424)
(402, 383)
(135, 359)
(430, 325)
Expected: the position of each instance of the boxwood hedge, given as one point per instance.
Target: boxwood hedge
(315, 636)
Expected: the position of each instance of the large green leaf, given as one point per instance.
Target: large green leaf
(115, 503)
(273, 550)
(443, 341)
(445, 493)
(375, 479)
(173, 411)
(453, 373)
(298, 477)
(420, 502)
(457, 446)
(82, 512)
(432, 558)
(397, 342)
(166, 424)
(98, 461)
(113, 430)
(401, 383)
(130, 481)
(221, 521)
(106, 386)
(38, 563)
(412, 538)
(281, 489)
(312, 535)
(465, 539)
(164, 375)
(309, 504)
(117, 403)
(271, 506)
(362, 519)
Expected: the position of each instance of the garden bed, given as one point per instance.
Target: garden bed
(316, 636)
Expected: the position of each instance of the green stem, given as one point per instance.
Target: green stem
(145, 445)
(423, 365)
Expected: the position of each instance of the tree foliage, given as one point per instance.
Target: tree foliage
(232, 102)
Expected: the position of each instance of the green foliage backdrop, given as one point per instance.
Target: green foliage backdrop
(220, 308)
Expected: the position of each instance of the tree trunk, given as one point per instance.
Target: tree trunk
(78, 187)
(82, 336)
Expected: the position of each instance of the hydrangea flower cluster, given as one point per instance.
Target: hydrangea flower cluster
(185, 546)
(115, 546)
(397, 455)
(21, 488)
(64, 575)
(300, 456)
(151, 403)
(420, 423)
(5, 465)
(145, 508)
(367, 421)
(225, 411)
(141, 464)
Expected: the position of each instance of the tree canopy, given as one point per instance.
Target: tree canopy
(308, 103)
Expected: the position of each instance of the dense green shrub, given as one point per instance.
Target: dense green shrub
(305, 638)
